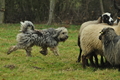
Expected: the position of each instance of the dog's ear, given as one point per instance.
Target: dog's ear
(21, 23)
(57, 34)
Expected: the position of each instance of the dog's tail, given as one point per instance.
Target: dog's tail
(26, 25)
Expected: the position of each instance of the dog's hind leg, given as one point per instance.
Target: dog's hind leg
(11, 49)
(28, 51)
(44, 51)
(55, 50)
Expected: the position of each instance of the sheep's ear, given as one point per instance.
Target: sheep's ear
(101, 18)
(101, 32)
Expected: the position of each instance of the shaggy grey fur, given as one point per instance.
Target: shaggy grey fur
(44, 38)
(111, 46)
(26, 25)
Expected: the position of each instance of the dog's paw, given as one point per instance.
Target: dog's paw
(57, 54)
(8, 53)
(43, 53)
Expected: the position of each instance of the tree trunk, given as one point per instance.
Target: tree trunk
(2, 9)
(101, 6)
(51, 12)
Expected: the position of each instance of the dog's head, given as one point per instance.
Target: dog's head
(107, 18)
(62, 34)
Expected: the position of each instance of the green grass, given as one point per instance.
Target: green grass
(17, 66)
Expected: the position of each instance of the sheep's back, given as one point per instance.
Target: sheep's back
(90, 38)
(86, 24)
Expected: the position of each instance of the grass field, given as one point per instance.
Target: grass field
(17, 66)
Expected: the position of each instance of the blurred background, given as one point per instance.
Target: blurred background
(54, 11)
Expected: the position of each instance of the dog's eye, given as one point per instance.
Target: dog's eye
(63, 33)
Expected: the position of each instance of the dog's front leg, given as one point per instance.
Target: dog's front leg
(11, 49)
(55, 50)
(28, 51)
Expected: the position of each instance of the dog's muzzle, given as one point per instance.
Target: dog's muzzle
(64, 39)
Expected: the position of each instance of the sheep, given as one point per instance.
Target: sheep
(90, 43)
(105, 18)
(111, 46)
(81, 28)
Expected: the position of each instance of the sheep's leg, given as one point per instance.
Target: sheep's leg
(102, 62)
(84, 61)
(79, 57)
(44, 51)
(91, 61)
(107, 64)
(96, 60)
(55, 50)
(11, 49)
(28, 51)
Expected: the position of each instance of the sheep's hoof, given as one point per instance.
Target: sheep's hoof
(78, 61)
(84, 67)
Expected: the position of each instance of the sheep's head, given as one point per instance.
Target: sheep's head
(107, 18)
(107, 34)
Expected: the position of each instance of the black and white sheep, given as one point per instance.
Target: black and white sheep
(111, 46)
(90, 43)
(104, 18)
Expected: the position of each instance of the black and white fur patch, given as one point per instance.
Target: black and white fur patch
(107, 18)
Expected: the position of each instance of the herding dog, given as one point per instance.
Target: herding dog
(28, 37)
